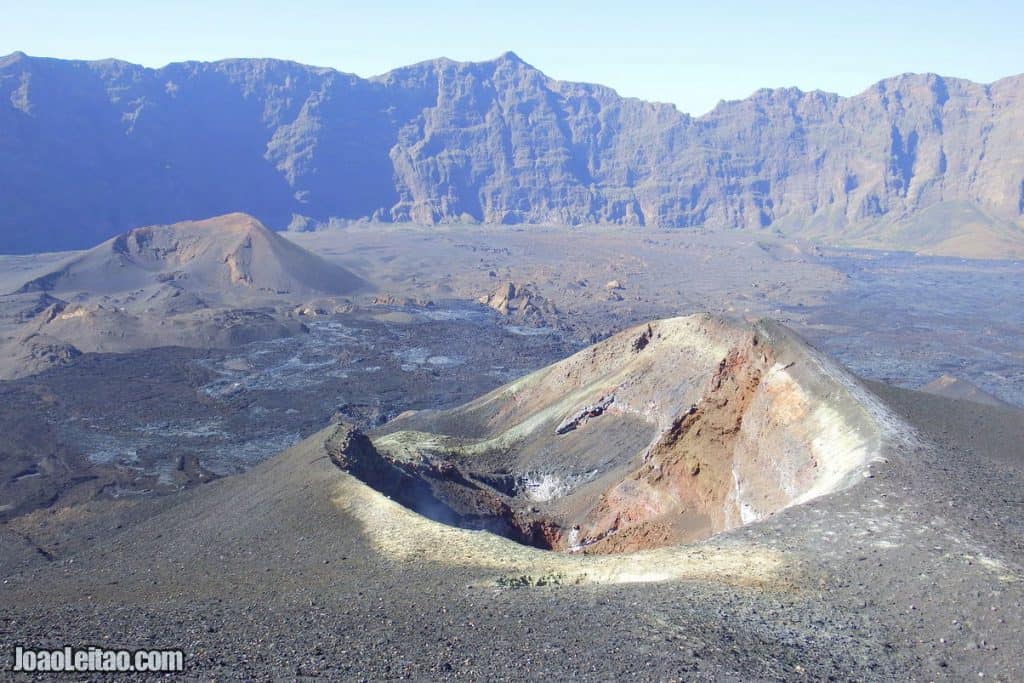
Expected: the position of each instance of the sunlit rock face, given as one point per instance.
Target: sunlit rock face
(95, 148)
(667, 433)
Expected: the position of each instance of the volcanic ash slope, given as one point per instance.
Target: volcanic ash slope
(666, 433)
(211, 283)
(232, 256)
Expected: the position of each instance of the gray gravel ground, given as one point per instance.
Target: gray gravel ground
(915, 574)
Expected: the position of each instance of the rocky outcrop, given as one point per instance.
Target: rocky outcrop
(41, 351)
(583, 414)
(521, 304)
(498, 142)
(393, 300)
(352, 451)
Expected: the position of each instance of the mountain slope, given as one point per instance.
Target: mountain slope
(952, 387)
(223, 256)
(215, 283)
(93, 148)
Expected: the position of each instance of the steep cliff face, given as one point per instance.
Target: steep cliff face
(89, 149)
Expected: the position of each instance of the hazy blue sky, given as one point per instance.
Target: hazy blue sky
(691, 54)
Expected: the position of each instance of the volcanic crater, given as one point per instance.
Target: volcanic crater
(667, 433)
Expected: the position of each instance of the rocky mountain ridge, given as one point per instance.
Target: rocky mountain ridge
(90, 149)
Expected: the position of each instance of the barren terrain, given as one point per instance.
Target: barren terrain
(704, 497)
(899, 317)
